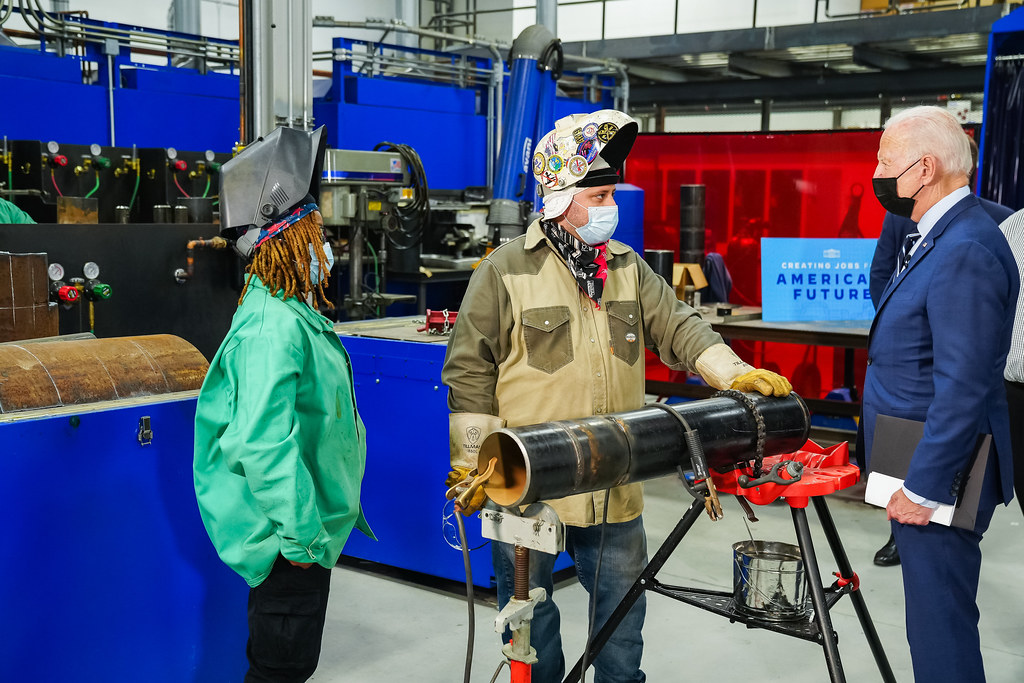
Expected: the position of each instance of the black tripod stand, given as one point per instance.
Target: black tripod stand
(817, 628)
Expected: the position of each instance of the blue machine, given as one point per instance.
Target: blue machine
(109, 575)
(153, 105)
(529, 113)
(405, 409)
(630, 199)
(1002, 139)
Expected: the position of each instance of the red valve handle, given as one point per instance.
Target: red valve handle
(68, 294)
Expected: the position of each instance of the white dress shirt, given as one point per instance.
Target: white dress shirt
(1013, 229)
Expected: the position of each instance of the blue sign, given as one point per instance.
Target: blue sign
(806, 279)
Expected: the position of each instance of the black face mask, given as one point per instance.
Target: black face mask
(889, 197)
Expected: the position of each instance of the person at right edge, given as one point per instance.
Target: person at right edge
(936, 353)
(552, 327)
(894, 230)
(1013, 229)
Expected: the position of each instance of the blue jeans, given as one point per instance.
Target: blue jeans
(625, 556)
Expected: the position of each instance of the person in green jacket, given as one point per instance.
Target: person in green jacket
(10, 213)
(280, 448)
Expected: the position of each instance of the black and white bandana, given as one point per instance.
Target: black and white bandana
(589, 265)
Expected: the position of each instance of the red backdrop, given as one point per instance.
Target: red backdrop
(763, 185)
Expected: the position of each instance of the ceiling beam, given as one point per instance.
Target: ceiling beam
(828, 86)
(657, 73)
(846, 32)
(770, 68)
(890, 60)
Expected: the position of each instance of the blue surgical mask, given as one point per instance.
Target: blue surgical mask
(600, 225)
(314, 262)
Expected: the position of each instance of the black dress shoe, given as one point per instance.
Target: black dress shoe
(888, 555)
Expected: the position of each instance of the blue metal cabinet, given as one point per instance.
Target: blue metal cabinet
(405, 409)
(108, 574)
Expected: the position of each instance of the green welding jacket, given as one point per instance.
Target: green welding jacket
(10, 213)
(280, 448)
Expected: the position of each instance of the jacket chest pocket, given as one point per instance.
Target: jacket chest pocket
(624, 329)
(548, 338)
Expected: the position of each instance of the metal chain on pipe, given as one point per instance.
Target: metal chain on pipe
(762, 433)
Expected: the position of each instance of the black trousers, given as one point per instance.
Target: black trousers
(1015, 397)
(286, 623)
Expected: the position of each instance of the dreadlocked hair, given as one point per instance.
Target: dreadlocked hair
(282, 262)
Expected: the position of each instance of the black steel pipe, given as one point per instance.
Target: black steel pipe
(557, 459)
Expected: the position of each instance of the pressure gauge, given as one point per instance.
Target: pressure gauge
(95, 149)
(91, 271)
(52, 147)
(210, 156)
(172, 153)
(55, 271)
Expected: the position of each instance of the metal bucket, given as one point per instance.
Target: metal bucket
(769, 581)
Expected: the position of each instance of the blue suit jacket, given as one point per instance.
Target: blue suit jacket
(894, 229)
(937, 349)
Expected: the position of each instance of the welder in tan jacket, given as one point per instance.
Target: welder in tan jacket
(553, 327)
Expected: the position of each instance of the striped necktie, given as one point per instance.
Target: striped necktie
(908, 245)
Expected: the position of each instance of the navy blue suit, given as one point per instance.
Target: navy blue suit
(894, 229)
(936, 354)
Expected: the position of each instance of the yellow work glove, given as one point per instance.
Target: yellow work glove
(723, 369)
(461, 474)
(466, 431)
(764, 381)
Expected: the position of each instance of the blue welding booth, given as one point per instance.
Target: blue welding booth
(108, 572)
(405, 409)
(154, 105)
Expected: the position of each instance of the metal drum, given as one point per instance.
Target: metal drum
(691, 224)
(769, 581)
(660, 261)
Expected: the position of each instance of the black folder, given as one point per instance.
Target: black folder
(896, 439)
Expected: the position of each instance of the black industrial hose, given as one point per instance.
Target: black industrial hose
(415, 216)
(469, 596)
(552, 48)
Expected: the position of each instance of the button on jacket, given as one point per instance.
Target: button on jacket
(280, 448)
(530, 346)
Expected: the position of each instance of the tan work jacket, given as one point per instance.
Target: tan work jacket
(529, 346)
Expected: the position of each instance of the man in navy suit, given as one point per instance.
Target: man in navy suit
(894, 230)
(936, 354)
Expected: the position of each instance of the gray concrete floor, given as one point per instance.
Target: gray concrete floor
(380, 629)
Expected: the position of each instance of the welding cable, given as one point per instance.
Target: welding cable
(593, 597)
(53, 179)
(94, 187)
(207, 190)
(501, 665)
(469, 596)
(182, 189)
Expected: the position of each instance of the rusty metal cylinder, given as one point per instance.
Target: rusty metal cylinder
(557, 459)
(48, 374)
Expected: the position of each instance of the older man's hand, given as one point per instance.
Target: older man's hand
(901, 509)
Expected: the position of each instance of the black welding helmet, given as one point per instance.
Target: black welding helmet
(267, 181)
